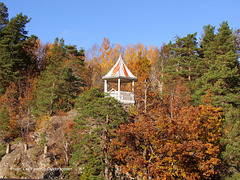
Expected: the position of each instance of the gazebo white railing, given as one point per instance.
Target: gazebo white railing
(124, 96)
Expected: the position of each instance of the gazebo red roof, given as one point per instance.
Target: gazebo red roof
(120, 71)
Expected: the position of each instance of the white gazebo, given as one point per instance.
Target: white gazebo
(120, 74)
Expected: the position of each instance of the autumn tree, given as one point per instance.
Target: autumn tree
(117, 51)
(43, 54)
(11, 102)
(132, 53)
(153, 54)
(5, 122)
(158, 69)
(93, 70)
(161, 147)
(141, 69)
(106, 52)
(92, 74)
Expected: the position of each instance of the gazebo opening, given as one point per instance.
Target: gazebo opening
(120, 74)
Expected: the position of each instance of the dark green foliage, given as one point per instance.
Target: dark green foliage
(208, 45)
(12, 53)
(221, 74)
(57, 87)
(186, 56)
(3, 15)
(184, 63)
(76, 62)
(171, 76)
(231, 141)
(93, 132)
(88, 97)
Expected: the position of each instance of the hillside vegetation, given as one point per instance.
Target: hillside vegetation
(184, 124)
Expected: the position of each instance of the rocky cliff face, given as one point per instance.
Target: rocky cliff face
(24, 164)
(36, 161)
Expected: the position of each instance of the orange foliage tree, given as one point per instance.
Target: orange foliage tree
(158, 146)
(141, 68)
(18, 101)
(10, 100)
(100, 61)
(106, 52)
(158, 68)
(140, 61)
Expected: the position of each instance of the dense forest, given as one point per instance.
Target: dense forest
(184, 124)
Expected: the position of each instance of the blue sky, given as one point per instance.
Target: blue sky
(152, 22)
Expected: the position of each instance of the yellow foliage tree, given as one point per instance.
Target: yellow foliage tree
(106, 56)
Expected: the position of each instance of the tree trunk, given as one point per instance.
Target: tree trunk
(171, 105)
(161, 82)
(106, 140)
(189, 76)
(51, 102)
(25, 147)
(66, 153)
(8, 149)
(145, 97)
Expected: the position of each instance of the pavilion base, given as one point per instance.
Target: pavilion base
(123, 96)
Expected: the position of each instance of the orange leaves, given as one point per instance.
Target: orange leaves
(130, 147)
(10, 100)
(159, 147)
(18, 101)
(153, 54)
(106, 56)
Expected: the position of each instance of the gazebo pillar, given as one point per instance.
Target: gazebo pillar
(119, 88)
(105, 86)
(133, 89)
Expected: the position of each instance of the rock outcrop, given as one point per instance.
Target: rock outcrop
(34, 160)
(24, 164)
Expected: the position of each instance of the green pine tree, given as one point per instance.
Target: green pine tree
(184, 62)
(93, 132)
(186, 56)
(12, 53)
(231, 141)
(57, 87)
(3, 15)
(76, 60)
(222, 77)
